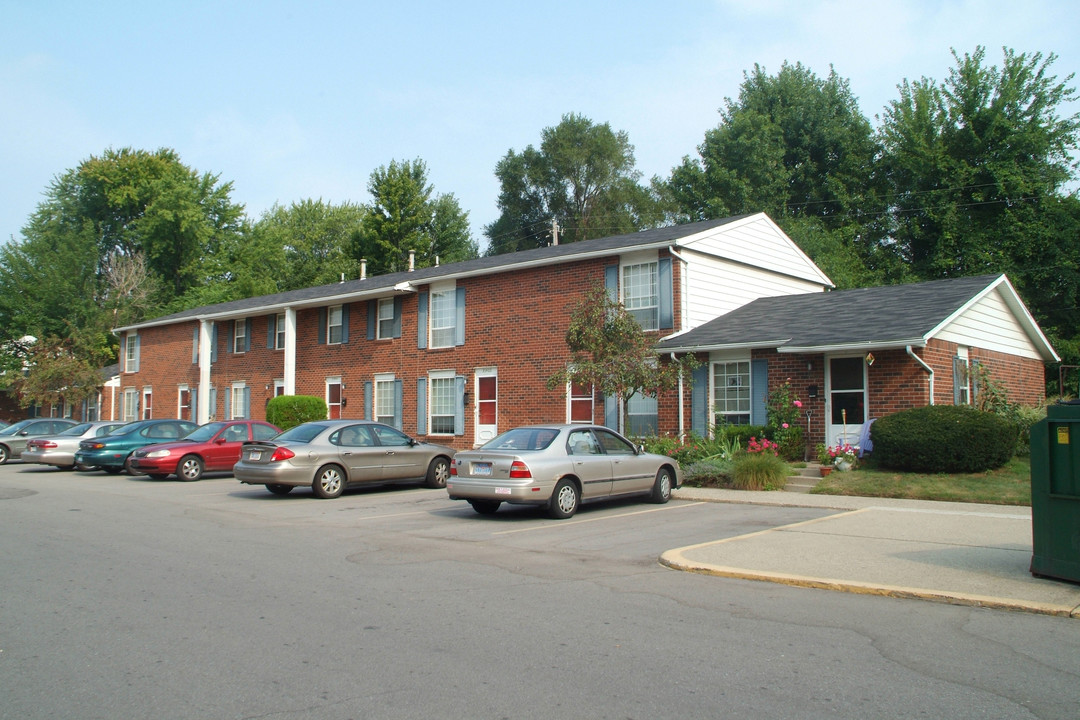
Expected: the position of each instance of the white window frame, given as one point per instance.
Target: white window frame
(571, 399)
(641, 292)
(279, 332)
(964, 383)
(180, 406)
(383, 403)
(442, 317)
(641, 405)
(384, 315)
(147, 409)
(239, 335)
(442, 388)
(129, 352)
(721, 406)
(330, 381)
(334, 322)
(131, 404)
(279, 387)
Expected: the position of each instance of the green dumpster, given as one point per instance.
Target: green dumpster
(1055, 493)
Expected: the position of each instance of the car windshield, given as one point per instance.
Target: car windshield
(77, 430)
(301, 433)
(205, 432)
(523, 439)
(13, 429)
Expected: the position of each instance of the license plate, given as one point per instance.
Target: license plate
(481, 469)
(502, 491)
(255, 455)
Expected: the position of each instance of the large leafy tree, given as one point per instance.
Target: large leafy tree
(582, 176)
(407, 215)
(977, 170)
(797, 147)
(311, 240)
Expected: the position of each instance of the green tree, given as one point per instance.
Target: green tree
(66, 369)
(611, 353)
(583, 176)
(407, 216)
(312, 240)
(797, 147)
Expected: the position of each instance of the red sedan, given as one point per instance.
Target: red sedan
(214, 447)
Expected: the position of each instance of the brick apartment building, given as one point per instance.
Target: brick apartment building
(459, 352)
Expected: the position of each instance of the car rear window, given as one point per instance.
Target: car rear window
(302, 433)
(523, 439)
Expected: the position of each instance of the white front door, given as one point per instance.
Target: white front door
(486, 393)
(846, 401)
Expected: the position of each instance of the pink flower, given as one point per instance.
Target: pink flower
(785, 426)
(798, 403)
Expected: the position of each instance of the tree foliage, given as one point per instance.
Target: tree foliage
(312, 238)
(611, 353)
(407, 217)
(583, 175)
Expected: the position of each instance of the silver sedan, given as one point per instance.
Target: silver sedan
(59, 450)
(329, 455)
(559, 466)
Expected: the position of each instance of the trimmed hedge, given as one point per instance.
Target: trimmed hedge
(288, 411)
(943, 438)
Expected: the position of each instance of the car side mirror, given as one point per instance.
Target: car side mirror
(413, 442)
(639, 450)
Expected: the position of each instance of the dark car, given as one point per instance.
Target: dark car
(13, 438)
(214, 447)
(328, 455)
(112, 452)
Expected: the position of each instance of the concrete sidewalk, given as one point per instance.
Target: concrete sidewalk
(949, 552)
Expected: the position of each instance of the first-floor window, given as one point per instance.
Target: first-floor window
(961, 377)
(239, 402)
(581, 403)
(279, 387)
(731, 393)
(442, 405)
(92, 408)
(641, 415)
(384, 400)
(131, 404)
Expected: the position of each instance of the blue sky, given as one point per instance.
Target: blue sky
(291, 100)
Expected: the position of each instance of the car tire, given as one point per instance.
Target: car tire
(190, 468)
(112, 469)
(65, 467)
(5, 453)
(485, 507)
(329, 482)
(280, 489)
(85, 468)
(437, 473)
(157, 476)
(564, 501)
(661, 490)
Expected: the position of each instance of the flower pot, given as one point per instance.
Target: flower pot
(843, 465)
(825, 470)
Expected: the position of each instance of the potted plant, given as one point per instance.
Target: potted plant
(844, 457)
(824, 458)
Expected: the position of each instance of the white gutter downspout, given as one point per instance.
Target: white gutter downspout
(929, 370)
(682, 426)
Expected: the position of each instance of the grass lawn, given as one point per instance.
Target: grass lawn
(1008, 485)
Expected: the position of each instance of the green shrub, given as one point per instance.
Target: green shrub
(1024, 417)
(739, 433)
(943, 438)
(687, 451)
(714, 472)
(759, 471)
(288, 411)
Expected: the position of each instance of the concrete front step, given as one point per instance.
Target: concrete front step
(805, 481)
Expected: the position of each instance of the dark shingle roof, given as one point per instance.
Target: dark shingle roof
(496, 263)
(890, 315)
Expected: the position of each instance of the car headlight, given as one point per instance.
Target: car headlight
(157, 453)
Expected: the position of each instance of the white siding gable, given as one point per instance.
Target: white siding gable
(991, 324)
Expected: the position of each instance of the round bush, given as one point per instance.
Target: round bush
(943, 438)
(288, 411)
(759, 471)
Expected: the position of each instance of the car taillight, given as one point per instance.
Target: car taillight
(94, 446)
(520, 470)
(453, 467)
(282, 453)
(41, 444)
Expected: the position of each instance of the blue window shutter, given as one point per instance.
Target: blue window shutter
(699, 401)
(399, 392)
(421, 406)
(212, 410)
(271, 331)
(345, 323)
(213, 342)
(459, 405)
(195, 345)
(611, 412)
(123, 354)
(611, 282)
(195, 404)
(368, 390)
(398, 301)
(957, 365)
(667, 295)
(247, 402)
(372, 318)
(228, 404)
(247, 335)
(322, 326)
(759, 389)
(421, 320)
(975, 382)
(230, 345)
(138, 342)
(459, 323)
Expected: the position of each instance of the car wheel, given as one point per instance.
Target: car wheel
(85, 468)
(4, 454)
(157, 476)
(280, 489)
(190, 468)
(329, 482)
(112, 469)
(437, 473)
(485, 507)
(65, 467)
(565, 500)
(661, 489)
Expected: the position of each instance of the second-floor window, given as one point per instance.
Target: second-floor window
(386, 319)
(131, 354)
(443, 313)
(240, 336)
(279, 332)
(641, 295)
(333, 325)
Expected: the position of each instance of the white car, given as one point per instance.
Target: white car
(59, 450)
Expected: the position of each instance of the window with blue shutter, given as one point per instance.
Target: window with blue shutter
(421, 320)
(213, 342)
(699, 401)
(459, 323)
(759, 385)
(666, 294)
(459, 405)
(421, 406)
(368, 389)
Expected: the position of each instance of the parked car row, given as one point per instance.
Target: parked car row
(554, 466)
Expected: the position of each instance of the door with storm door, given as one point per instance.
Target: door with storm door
(847, 400)
(487, 405)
